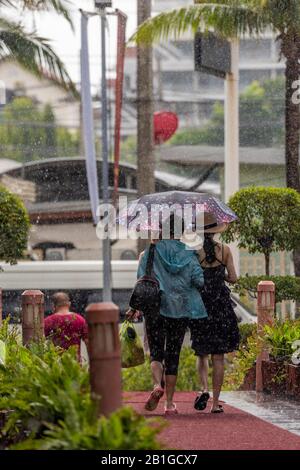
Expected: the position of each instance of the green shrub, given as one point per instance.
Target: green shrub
(286, 287)
(124, 430)
(247, 330)
(268, 220)
(139, 378)
(280, 337)
(14, 226)
(242, 362)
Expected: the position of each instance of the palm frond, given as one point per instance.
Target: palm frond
(229, 18)
(34, 53)
(59, 6)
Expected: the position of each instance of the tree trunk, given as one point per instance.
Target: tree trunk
(291, 50)
(145, 108)
(267, 264)
(292, 122)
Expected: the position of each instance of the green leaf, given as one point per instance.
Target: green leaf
(2, 353)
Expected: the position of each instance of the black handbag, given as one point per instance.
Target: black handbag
(146, 293)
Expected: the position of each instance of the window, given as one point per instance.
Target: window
(255, 50)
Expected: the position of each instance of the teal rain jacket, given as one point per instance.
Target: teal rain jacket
(180, 277)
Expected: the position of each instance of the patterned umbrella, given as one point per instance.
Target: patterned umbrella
(149, 211)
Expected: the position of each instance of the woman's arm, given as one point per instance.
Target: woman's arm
(142, 265)
(132, 314)
(231, 275)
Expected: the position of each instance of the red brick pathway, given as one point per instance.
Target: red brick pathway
(233, 430)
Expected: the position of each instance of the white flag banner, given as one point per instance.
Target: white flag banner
(87, 120)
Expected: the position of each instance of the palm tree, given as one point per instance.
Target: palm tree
(29, 49)
(234, 18)
(145, 150)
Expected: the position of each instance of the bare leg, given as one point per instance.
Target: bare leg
(157, 373)
(218, 377)
(202, 368)
(170, 389)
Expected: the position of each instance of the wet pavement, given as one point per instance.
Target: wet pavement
(280, 412)
(247, 425)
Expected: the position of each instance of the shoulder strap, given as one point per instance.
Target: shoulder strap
(221, 261)
(150, 260)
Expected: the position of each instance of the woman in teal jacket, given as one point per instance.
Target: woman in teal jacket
(180, 277)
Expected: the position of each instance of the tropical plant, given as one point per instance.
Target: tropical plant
(246, 331)
(49, 394)
(29, 49)
(268, 220)
(123, 430)
(14, 226)
(286, 287)
(232, 18)
(242, 362)
(280, 337)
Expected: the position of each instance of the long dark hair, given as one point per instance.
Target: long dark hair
(209, 248)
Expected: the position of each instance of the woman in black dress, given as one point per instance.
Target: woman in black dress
(219, 333)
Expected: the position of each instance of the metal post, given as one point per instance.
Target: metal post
(265, 316)
(105, 167)
(32, 316)
(231, 167)
(105, 356)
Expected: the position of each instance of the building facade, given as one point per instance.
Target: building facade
(191, 94)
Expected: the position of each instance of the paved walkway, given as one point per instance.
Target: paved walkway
(252, 424)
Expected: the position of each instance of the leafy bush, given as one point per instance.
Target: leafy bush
(242, 362)
(268, 220)
(139, 378)
(280, 337)
(124, 430)
(49, 393)
(247, 330)
(286, 287)
(14, 226)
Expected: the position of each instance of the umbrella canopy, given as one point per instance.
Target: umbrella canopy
(150, 211)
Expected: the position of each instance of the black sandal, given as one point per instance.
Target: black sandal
(219, 410)
(201, 401)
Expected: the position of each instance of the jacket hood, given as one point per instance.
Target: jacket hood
(174, 255)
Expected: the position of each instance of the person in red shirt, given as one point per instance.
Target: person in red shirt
(63, 327)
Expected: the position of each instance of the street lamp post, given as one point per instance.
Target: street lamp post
(102, 5)
(232, 170)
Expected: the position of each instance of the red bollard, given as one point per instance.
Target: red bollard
(32, 316)
(105, 356)
(265, 316)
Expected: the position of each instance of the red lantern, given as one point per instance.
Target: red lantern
(165, 126)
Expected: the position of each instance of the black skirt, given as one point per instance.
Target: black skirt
(219, 332)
